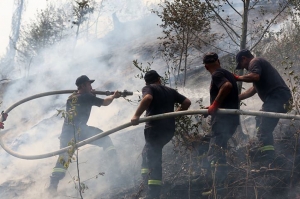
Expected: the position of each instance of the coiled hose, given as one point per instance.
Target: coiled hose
(128, 124)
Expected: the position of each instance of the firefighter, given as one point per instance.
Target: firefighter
(274, 93)
(223, 94)
(78, 107)
(157, 99)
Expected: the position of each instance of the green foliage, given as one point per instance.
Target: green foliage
(46, 30)
(294, 84)
(80, 11)
(186, 29)
(190, 129)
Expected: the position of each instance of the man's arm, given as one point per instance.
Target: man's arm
(248, 93)
(184, 105)
(223, 92)
(110, 98)
(251, 77)
(145, 103)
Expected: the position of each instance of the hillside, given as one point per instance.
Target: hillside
(33, 128)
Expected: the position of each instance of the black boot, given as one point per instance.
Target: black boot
(153, 192)
(267, 159)
(52, 189)
(262, 158)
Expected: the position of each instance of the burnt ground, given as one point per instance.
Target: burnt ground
(245, 180)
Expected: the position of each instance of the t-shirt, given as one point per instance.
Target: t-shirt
(164, 99)
(231, 101)
(269, 78)
(83, 105)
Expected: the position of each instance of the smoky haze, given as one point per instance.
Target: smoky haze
(33, 127)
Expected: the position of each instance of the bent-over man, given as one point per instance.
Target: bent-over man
(274, 93)
(157, 99)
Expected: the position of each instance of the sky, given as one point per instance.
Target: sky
(6, 12)
(6, 8)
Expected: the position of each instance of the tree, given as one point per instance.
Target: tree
(80, 10)
(249, 24)
(47, 29)
(8, 61)
(186, 28)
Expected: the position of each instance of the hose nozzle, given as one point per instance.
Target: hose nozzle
(126, 93)
(123, 94)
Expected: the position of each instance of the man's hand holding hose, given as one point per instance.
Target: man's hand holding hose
(4, 117)
(212, 109)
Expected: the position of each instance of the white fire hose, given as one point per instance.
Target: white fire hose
(123, 126)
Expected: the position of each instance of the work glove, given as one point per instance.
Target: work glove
(236, 77)
(4, 116)
(1, 125)
(213, 108)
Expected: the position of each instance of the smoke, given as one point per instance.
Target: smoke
(33, 127)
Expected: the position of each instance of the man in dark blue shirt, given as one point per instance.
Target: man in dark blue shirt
(157, 99)
(75, 128)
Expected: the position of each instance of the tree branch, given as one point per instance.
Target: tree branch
(207, 43)
(229, 34)
(267, 28)
(221, 19)
(233, 8)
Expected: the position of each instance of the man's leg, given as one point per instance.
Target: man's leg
(62, 164)
(58, 173)
(265, 152)
(217, 154)
(145, 168)
(155, 141)
(113, 166)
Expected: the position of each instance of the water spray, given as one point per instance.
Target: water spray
(128, 124)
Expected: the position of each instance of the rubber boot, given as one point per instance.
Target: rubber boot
(143, 187)
(144, 183)
(153, 192)
(262, 156)
(220, 179)
(204, 164)
(218, 176)
(267, 159)
(52, 189)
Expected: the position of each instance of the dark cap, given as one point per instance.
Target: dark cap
(82, 79)
(210, 57)
(151, 76)
(239, 55)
